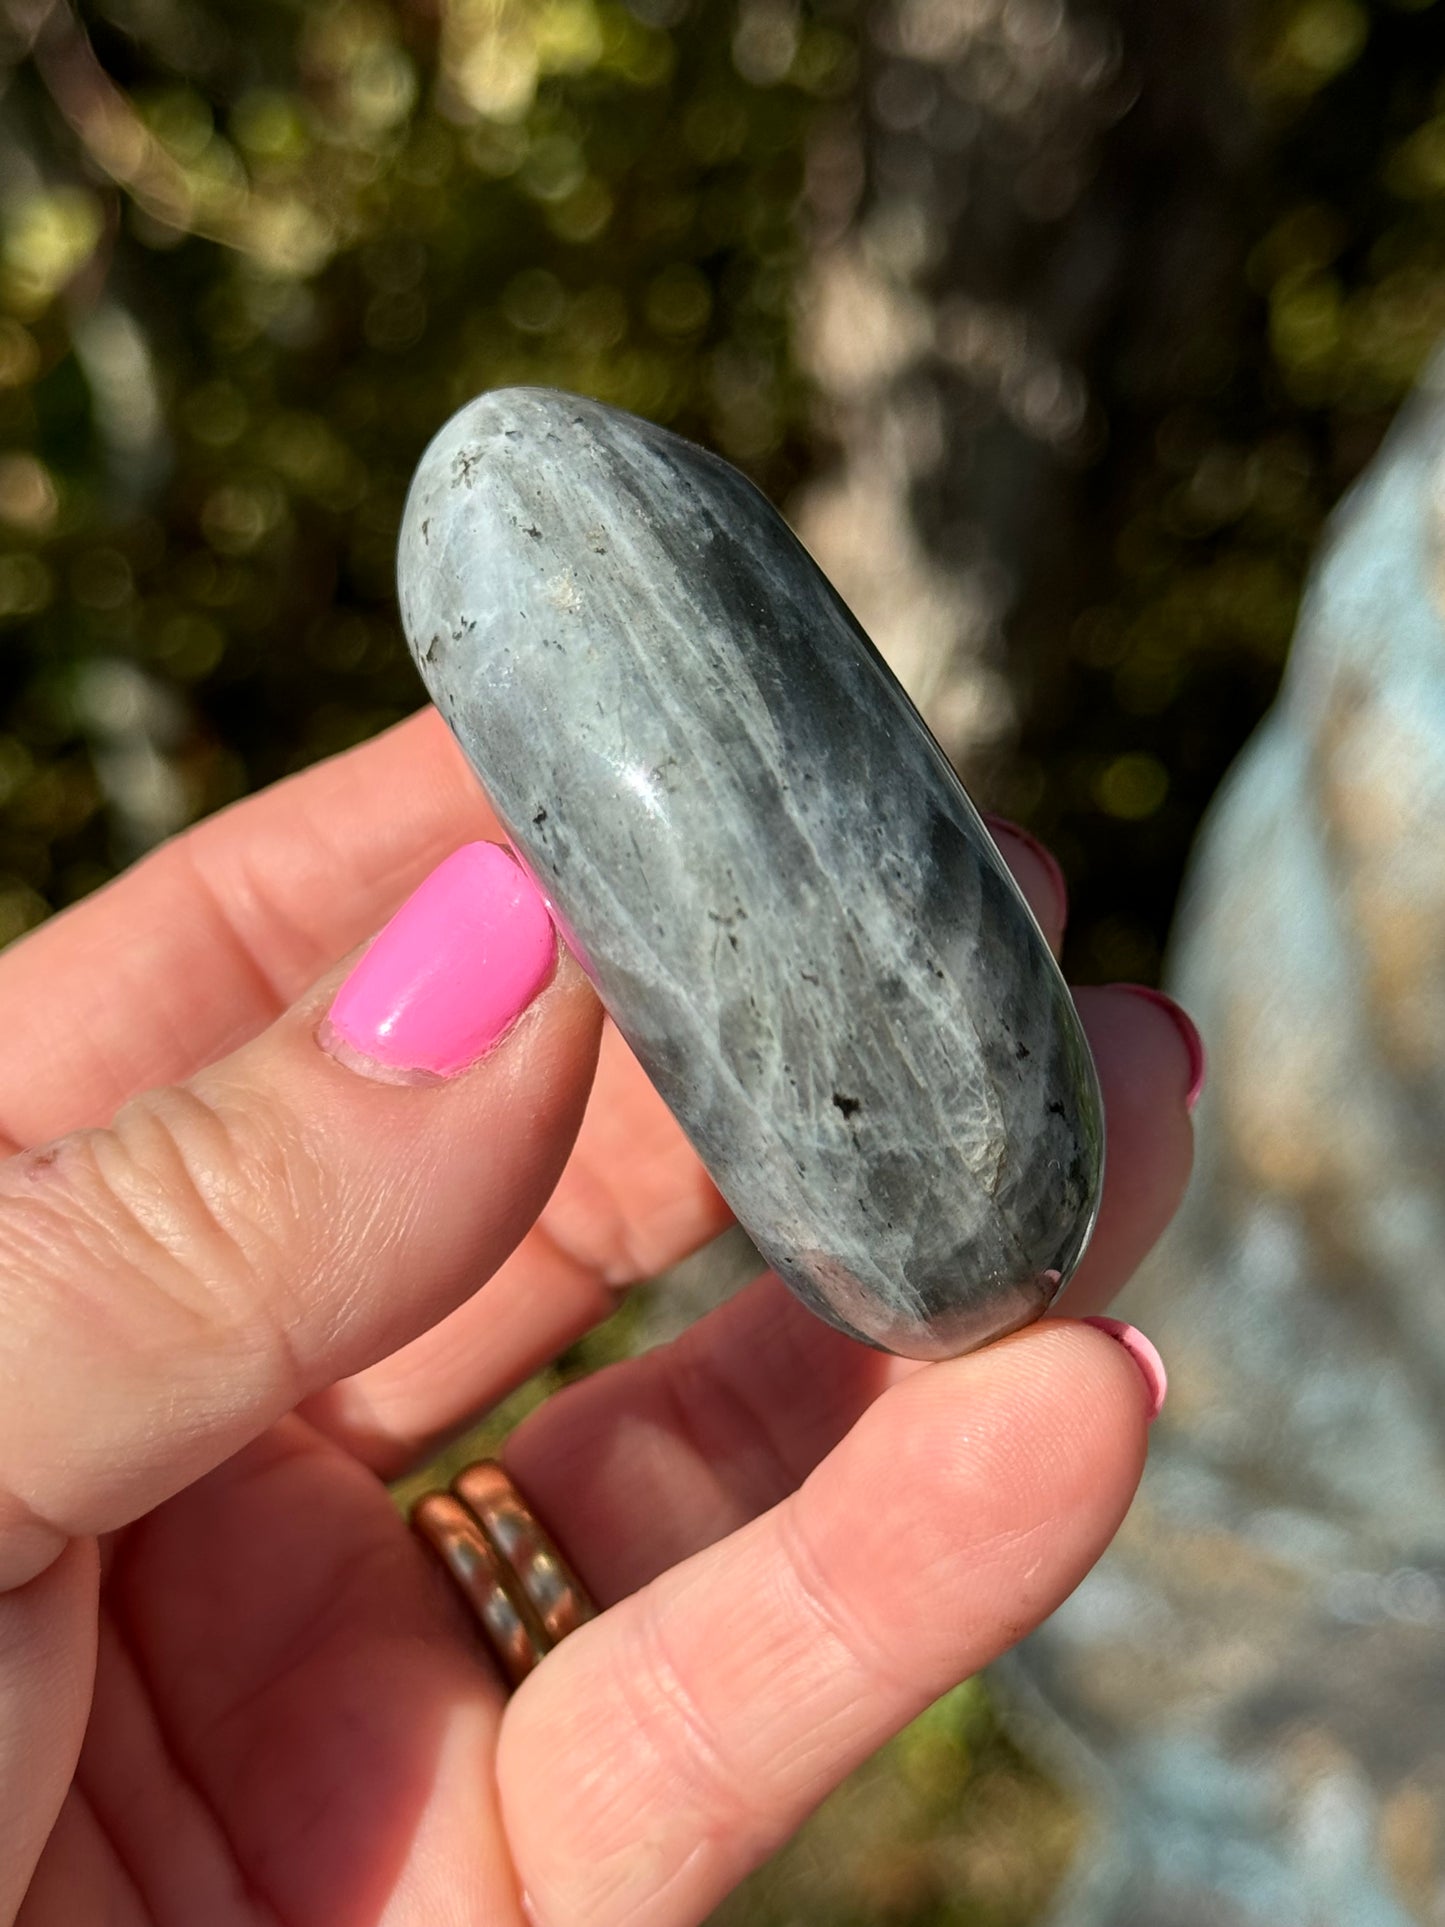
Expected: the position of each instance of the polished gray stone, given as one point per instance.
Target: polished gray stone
(759, 854)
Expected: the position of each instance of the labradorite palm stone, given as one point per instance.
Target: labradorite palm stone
(763, 861)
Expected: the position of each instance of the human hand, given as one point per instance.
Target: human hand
(233, 1687)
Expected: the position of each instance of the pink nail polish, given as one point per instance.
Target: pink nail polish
(1001, 825)
(1144, 1355)
(449, 975)
(1188, 1030)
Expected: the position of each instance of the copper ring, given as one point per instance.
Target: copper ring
(510, 1570)
(555, 1593)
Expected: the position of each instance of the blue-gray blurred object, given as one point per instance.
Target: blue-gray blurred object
(1253, 1684)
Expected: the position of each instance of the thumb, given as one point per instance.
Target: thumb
(173, 1284)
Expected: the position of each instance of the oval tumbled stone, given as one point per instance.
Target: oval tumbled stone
(764, 862)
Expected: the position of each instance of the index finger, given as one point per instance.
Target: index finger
(708, 1713)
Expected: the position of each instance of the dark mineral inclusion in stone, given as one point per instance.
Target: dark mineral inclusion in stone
(764, 862)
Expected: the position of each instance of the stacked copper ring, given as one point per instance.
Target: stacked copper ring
(510, 1570)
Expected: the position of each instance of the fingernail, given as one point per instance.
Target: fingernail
(1001, 826)
(1144, 1355)
(448, 976)
(1185, 1025)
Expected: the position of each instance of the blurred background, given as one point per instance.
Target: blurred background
(1056, 328)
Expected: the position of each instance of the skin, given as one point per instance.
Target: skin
(240, 1281)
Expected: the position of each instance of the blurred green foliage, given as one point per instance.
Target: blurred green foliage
(1208, 501)
(249, 262)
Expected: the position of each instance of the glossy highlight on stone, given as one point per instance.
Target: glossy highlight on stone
(764, 862)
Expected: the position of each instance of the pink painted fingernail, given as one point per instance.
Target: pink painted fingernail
(1002, 826)
(1188, 1030)
(1144, 1355)
(448, 976)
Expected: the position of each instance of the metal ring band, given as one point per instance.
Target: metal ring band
(552, 1589)
(488, 1585)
